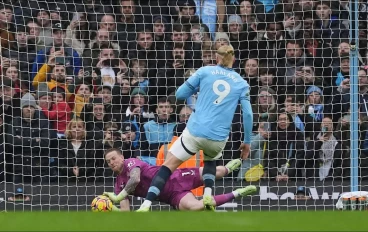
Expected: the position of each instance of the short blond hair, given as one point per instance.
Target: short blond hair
(68, 131)
(226, 52)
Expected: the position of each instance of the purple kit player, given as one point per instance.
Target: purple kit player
(135, 176)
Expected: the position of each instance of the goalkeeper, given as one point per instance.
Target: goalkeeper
(134, 178)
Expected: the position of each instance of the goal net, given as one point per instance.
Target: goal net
(80, 77)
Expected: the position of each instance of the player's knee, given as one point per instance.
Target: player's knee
(191, 206)
(172, 162)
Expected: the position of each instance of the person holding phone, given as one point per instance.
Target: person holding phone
(57, 48)
(77, 33)
(293, 22)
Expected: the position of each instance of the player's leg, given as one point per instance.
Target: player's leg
(242, 192)
(190, 202)
(222, 171)
(180, 151)
(212, 152)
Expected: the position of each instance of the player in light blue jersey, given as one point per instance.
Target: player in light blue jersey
(220, 90)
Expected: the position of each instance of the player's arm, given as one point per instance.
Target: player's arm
(134, 179)
(247, 121)
(190, 86)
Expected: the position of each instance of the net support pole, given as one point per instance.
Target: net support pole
(354, 95)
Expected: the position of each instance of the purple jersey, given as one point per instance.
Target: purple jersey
(180, 183)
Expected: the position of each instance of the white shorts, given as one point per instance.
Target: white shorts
(187, 145)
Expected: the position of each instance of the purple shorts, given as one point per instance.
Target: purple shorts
(181, 182)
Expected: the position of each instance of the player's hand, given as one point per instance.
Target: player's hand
(112, 197)
(245, 151)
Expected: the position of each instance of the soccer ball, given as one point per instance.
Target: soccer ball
(101, 204)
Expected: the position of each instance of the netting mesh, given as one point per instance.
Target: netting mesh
(82, 76)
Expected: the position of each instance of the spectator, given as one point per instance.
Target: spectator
(157, 132)
(13, 74)
(144, 49)
(340, 101)
(180, 38)
(94, 10)
(127, 23)
(330, 30)
(77, 33)
(44, 21)
(265, 108)
(302, 121)
(125, 139)
(200, 36)
(44, 96)
(10, 100)
(251, 73)
(271, 46)
(72, 59)
(22, 51)
(108, 23)
(307, 33)
(208, 55)
(160, 31)
(27, 139)
(82, 96)
(34, 36)
(130, 137)
(76, 154)
(170, 78)
(138, 74)
(6, 14)
(307, 5)
(342, 72)
(293, 23)
(57, 76)
(60, 112)
(258, 149)
(305, 77)
(221, 39)
(123, 89)
(314, 103)
(324, 154)
(214, 15)
(102, 41)
(295, 58)
(138, 109)
(95, 116)
(286, 145)
(267, 78)
(105, 92)
(236, 35)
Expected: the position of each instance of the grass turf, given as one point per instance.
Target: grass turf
(184, 221)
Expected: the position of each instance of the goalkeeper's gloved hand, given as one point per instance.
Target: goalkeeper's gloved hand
(115, 209)
(112, 196)
(116, 198)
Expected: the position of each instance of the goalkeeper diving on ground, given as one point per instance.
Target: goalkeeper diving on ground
(135, 176)
(220, 90)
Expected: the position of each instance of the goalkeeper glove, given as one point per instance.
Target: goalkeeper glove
(116, 198)
(115, 209)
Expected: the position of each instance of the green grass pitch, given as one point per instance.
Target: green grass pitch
(185, 221)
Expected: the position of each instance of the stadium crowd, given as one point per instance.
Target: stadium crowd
(81, 76)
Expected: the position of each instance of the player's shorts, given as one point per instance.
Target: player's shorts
(181, 182)
(187, 145)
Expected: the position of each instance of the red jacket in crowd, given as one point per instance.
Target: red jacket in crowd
(59, 115)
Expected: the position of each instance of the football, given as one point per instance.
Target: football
(101, 204)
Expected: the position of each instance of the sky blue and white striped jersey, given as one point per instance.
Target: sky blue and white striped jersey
(220, 90)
